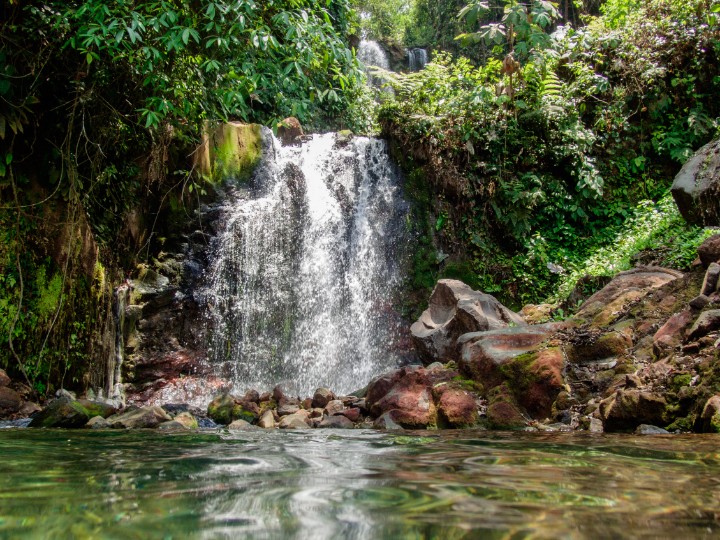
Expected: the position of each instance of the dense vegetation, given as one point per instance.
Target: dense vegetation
(534, 160)
(100, 105)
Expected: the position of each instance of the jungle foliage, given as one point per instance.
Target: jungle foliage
(101, 105)
(540, 156)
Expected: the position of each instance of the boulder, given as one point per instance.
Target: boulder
(696, 188)
(647, 429)
(241, 425)
(352, 414)
(220, 409)
(4, 379)
(590, 347)
(407, 392)
(455, 309)
(709, 250)
(62, 413)
(98, 408)
(140, 418)
(710, 417)
(267, 421)
(614, 300)
(299, 420)
(97, 422)
(710, 283)
(520, 358)
(456, 407)
(672, 333)
(628, 408)
(288, 407)
(10, 401)
(503, 411)
(336, 422)
(322, 397)
(334, 407)
(387, 420)
(187, 420)
(707, 322)
(290, 131)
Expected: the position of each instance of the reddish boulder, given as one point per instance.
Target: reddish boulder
(409, 396)
(709, 250)
(290, 131)
(10, 401)
(322, 397)
(455, 309)
(456, 407)
(672, 333)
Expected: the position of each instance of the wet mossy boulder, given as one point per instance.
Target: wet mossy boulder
(224, 408)
(503, 411)
(139, 418)
(66, 412)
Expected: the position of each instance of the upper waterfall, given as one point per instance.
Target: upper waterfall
(371, 54)
(301, 288)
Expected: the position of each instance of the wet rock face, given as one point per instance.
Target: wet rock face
(696, 188)
(455, 309)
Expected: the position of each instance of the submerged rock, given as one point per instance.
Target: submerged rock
(387, 420)
(646, 429)
(455, 309)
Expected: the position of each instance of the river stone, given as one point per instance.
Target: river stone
(334, 407)
(352, 414)
(98, 408)
(220, 409)
(288, 408)
(710, 283)
(290, 131)
(10, 401)
(322, 397)
(710, 417)
(267, 421)
(455, 309)
(707, 322)
(4, 379)
(187, 420)
(241, 425)
(647, 429)
(97, 422)
(696, 188)
(336, 422)
(295, 421)
(612, 301)
(671, 334)
(406, 391)
(456, 407)
(172, 425)
(140, 418)
(387, 421)
(63, 412)
(628, 408)
(709, 250)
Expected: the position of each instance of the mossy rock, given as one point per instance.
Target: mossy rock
(220, 409)
(230, 150)
(62, 413)
(503, 411)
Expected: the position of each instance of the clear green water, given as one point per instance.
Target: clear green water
(356, 484)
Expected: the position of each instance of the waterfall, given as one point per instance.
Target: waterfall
(417, 59)
(304, 273)
(371, 54)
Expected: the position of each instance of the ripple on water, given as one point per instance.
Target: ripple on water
(356, 484)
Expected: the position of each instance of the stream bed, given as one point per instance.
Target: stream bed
(319, 484)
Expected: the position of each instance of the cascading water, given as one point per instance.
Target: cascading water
(305, 272)
(372, 56)
(417, 59)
